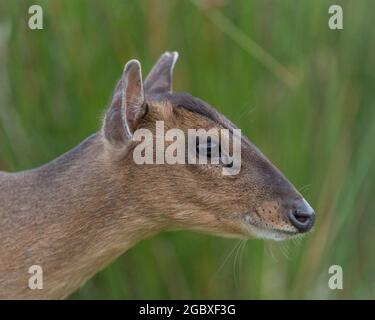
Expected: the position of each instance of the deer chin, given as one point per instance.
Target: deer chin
(272, 234)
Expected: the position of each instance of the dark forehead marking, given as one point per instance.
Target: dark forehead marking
(193, 104)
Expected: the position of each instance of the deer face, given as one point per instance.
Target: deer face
(257, 201)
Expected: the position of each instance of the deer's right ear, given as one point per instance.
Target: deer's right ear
(127, 107)
(159, 80)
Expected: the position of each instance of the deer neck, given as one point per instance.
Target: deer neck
(70, 217)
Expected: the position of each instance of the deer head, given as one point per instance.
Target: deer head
(258, 201)
(82, 210)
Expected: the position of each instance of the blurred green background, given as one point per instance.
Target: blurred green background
(304, 94)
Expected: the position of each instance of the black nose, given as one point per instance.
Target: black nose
(302, 216)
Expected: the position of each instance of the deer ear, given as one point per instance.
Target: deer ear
(128, 105)
(159, 79)
(133, 106)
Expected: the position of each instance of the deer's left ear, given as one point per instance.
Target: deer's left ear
(133, 101)
(127, 107)
(159, 80)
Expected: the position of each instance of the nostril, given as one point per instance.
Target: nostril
(302, 217)
(302, 221)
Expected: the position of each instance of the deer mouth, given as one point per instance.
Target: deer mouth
(274, 234)
(261, 229)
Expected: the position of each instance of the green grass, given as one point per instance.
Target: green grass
(303, 93)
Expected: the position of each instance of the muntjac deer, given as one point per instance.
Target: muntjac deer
(76, 214)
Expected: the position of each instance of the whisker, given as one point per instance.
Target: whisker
(226, 259)
(270, 251)
(305, 187)
(242, 253)
(235, 263)
(285, 250)
(297, 241)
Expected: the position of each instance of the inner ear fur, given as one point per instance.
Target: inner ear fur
(128, 106)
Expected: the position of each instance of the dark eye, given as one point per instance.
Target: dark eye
(211, 150)
(208, 149)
